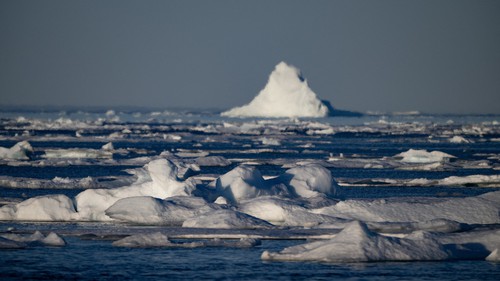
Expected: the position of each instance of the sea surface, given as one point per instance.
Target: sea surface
(359, 151)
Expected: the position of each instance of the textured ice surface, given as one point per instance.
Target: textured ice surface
(12, 240)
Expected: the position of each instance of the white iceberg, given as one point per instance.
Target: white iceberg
(356, 243)
(20, 151)
(286, 94)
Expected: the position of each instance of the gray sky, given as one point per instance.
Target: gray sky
(433, 56)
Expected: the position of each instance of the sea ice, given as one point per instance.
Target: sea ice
(356, 243)
(37, 238)
(213, 161)
(243, 182)
(423, 156)
(157, 179)
(20, 151)
(158, 239)
(78, 153)
(286, 94)
(481, 209)
(458, 139)
(154, 211)
(226, 218)
(40, 208)
(310, 180)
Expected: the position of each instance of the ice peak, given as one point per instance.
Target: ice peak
(286, 94)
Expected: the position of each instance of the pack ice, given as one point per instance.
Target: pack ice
(286, 94)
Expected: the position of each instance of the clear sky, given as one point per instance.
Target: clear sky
(433, 56)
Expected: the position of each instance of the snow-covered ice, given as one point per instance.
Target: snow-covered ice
(12, 240)
(157, 179)
(20, 151)
(356, 243)
(423, 156)
(286, 94)
(158, 239)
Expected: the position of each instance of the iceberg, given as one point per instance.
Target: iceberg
(286, 94)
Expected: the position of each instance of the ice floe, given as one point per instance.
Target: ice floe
(158, 179)
(356, 243)
(158, 239)
(15, 241)
(20, 151)
(226, 218)
(40, 208)
(423, 156)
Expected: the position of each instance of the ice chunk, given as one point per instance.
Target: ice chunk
(20, 151)
(286, 212)
(78, 153)
(154, 211)
(423, 156)
(225, 219)
(158, 179)
(37, 238)
(41, 208)
(108, 147)
(213, 161)
(458, 139)
(243, 182)
(158, 239)
(494, 256)
(355, 243)
(286, 94)
(470, 210)
(310, 180)
(11, 244)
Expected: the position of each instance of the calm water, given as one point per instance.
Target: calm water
(98, 260)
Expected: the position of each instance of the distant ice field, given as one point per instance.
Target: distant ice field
(248, 198)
